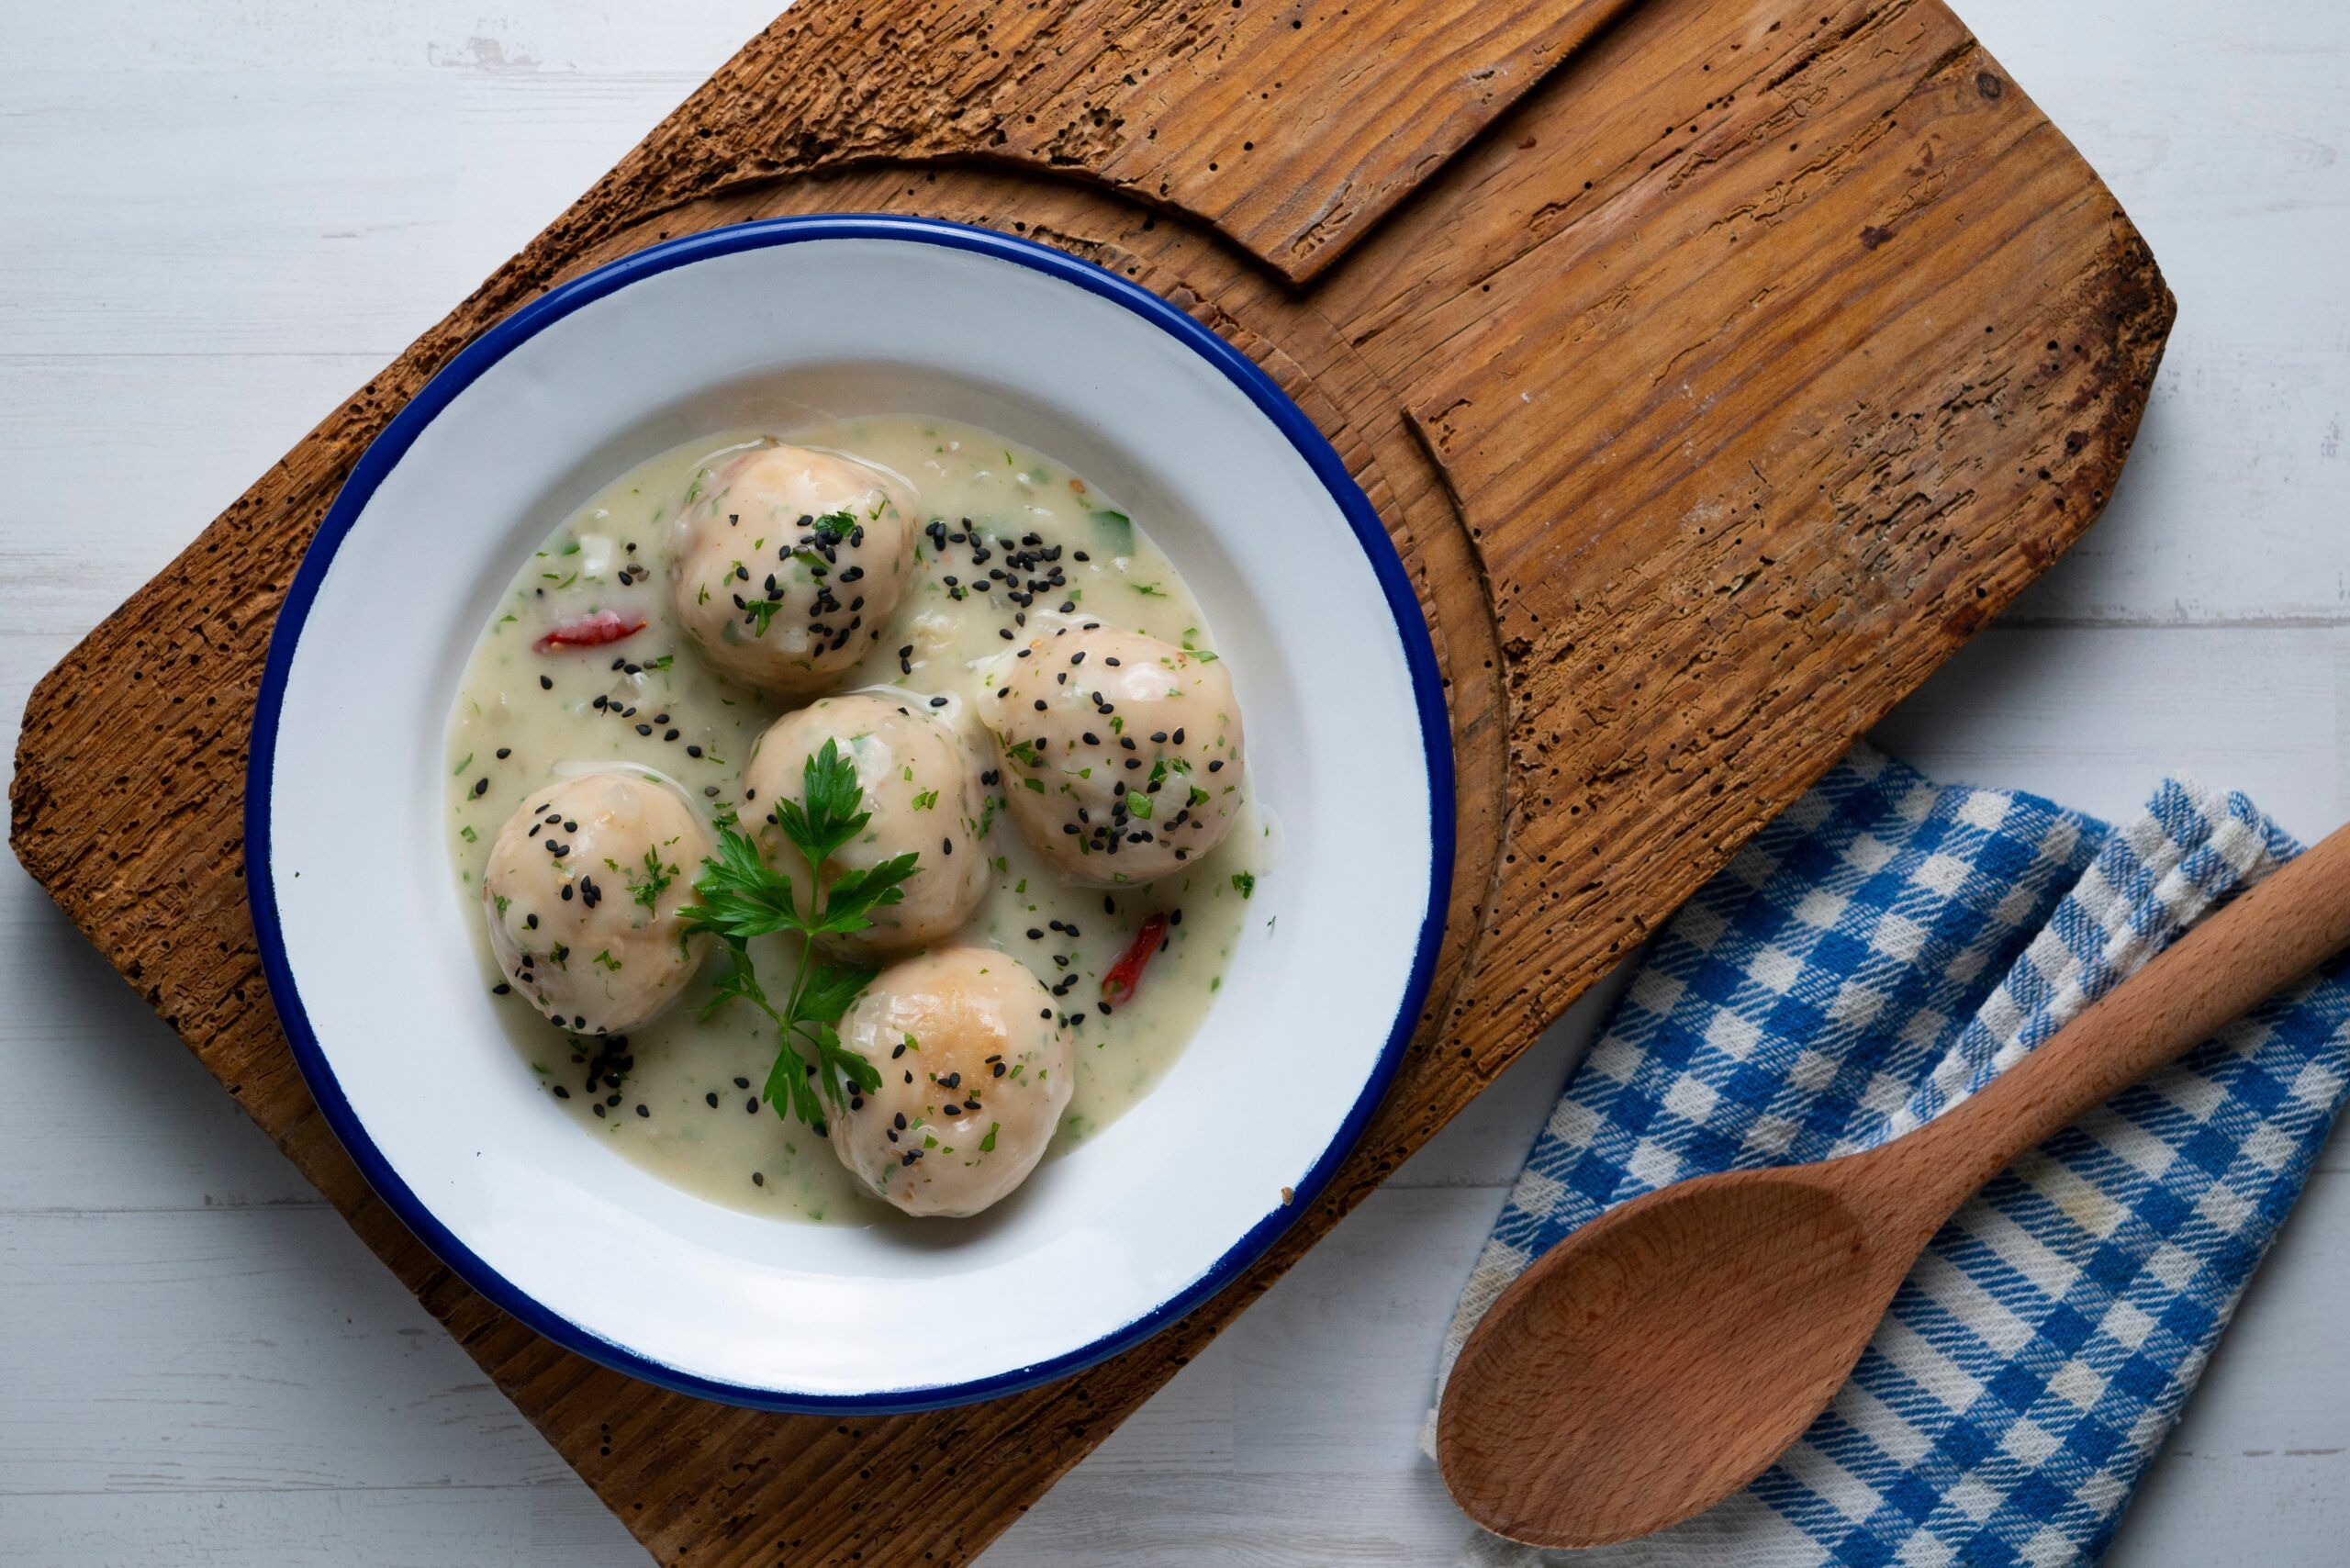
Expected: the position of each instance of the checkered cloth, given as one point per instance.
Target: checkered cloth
(1873, 955)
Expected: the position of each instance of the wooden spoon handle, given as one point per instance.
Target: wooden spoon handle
(2278, 930)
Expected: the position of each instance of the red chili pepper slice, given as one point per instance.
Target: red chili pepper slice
(1118, 986)
(590, 632)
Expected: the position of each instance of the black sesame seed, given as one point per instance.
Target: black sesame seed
(546, 683)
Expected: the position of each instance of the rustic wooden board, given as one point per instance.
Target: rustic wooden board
(1718, 366)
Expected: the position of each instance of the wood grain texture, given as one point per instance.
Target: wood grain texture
(1637, 679)
(1290, 128)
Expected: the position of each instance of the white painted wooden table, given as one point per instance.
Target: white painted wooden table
(218, 216)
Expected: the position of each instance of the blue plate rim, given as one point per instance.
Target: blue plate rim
(494, 344)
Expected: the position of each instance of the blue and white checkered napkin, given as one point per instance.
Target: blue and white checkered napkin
(1876, 954)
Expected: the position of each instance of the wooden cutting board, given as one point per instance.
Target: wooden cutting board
(1718, 366)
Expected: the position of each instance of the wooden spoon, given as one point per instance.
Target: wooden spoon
(1665, 1354)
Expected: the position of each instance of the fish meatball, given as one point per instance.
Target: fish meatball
(786, 565)
(975, 1073)
(582, 891)
(921, 790)
(1121, 753)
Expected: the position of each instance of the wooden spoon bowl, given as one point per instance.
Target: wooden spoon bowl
(1665, 1354)
(1610, 1341)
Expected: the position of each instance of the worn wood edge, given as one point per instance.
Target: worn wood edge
(2123, 310)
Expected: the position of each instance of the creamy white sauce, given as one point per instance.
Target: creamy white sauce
(665, 711)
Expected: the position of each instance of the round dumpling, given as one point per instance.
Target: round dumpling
(1121, 753)
(974, 1074)
(921, 790)
(786, 567)
(599, 950)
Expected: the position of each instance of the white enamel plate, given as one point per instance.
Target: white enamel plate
(365, 935)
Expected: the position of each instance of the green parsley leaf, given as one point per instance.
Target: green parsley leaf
(854, 894)
(829, 990)
(826, 816)
(739, 984)
(742, 897)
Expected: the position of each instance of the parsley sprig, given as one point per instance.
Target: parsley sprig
(743, 897)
